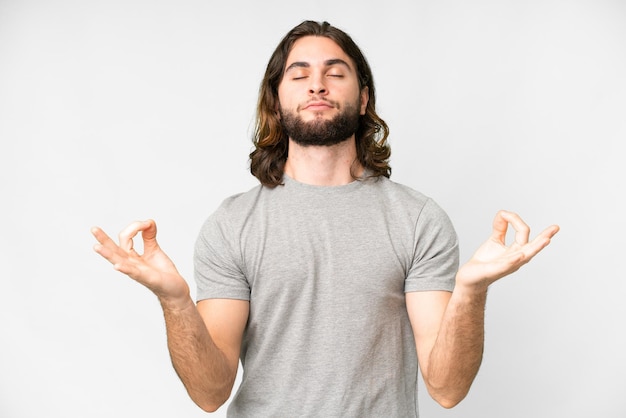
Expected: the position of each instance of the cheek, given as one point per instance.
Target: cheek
(283, 98)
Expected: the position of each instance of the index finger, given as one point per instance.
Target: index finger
(501, 225)
(128, 233)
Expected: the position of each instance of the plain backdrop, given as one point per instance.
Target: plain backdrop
(112, 111)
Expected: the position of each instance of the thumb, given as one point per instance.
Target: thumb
(148, 234)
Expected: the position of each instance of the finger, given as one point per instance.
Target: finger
(128, 233)
(149, 236)
(102, 237)
(522, 230)
(106, 247)
(541, 241)
(500, 226)
(551, 231)
(110, 254)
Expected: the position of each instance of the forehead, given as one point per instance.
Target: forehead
(316, 50)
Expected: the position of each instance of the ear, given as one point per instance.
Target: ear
(277, 109)
(365, 98)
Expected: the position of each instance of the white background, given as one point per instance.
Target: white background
(112, 111)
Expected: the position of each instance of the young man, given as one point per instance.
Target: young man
(328, 280)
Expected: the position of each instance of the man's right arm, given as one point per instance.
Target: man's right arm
(204, 343)
(204, 340)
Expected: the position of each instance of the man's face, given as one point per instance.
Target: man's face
(319, 95)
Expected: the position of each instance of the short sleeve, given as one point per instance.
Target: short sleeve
(217, 261)
(436, 252)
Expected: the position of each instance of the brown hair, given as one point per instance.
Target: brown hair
(267, 161)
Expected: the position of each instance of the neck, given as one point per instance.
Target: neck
(323, 165)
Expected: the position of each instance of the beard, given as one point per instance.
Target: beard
(321, 132)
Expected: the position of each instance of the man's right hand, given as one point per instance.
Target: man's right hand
(153, 268)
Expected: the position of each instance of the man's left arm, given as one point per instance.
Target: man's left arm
(449, 327)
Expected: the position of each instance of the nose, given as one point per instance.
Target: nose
(317, 85)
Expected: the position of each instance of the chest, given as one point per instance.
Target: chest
(324, 250)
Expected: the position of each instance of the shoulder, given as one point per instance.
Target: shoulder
(402, 197)
(231, 208)
(241, 200)
(397, 194)
(241, 205)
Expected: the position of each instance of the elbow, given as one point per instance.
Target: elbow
(210, 399)
(210, 403)
(209, 406)
(448, 402)
(448, 397)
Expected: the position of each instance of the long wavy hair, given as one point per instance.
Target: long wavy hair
(271, 144)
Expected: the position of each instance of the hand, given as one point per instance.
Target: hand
(494, 260)
(153, 268)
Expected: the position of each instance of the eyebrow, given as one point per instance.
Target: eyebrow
(327, 63)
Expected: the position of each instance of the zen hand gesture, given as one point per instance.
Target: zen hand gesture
(494, 260)
(153, 268)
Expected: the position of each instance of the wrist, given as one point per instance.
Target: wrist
(471, 290)
(472, 279)
(176, 303)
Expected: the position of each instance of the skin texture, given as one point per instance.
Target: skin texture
(449, 328)
(204, 340)
(320, 81)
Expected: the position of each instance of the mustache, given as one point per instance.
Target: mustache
(320, 99)
(317, 100)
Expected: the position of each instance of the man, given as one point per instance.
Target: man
(328, 281)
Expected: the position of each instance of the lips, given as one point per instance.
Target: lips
(318, 105)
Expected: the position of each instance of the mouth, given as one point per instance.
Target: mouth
(318, 105)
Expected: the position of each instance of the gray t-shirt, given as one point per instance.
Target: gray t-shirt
(325, 270)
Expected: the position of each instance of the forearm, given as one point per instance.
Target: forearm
(454, 345)
(200, 364)
(457, 353)
(207, 373)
